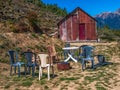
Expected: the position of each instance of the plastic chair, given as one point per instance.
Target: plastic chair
(53, 55)
(14, 62)
(43, 64)
(102, 61)
(30, 64)
(65, 52)
(87, 55)
(81, 50)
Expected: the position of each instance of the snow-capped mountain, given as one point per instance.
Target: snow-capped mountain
(111, 19)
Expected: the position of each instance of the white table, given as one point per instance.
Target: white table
(69, 55)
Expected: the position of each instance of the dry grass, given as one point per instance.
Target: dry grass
(102, 78)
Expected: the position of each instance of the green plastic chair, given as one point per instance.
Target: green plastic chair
(14, 62)
(30, 64)
(87, 55)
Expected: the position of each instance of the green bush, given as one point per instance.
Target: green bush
(107, 34)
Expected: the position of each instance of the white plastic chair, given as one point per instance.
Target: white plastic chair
(43, 60)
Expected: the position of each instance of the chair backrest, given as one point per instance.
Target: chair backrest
(81, 50)
(88, 51)
(67, 45)
(13, 56)
(43, 59)
(51, 50)
(101, 58)
(29, 57)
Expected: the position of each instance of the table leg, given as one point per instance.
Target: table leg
(66, 59)
(72, 58)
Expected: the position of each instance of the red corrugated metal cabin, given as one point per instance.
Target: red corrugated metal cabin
(77, 26)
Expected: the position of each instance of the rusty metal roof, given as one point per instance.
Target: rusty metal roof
(70, 14)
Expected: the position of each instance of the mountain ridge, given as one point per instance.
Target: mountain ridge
(110, 19)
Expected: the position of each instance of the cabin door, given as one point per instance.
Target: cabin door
(82, 31)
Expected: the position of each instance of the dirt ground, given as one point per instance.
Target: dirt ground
(101, 78)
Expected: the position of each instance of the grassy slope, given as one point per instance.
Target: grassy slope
(102, 78)
(25, 25)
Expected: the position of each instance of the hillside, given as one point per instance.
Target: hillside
(111, 19)
(25, 16)
(27, 24)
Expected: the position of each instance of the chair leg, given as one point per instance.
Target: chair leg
(18, 71)
(10, 70)
(15, 69)
(65, 55)
(33, 69)
(57, 58)
(25, 69)
(40, 72)
(53, 71)
(48, 72)
(29, 69)
(93, 64)
(83, 65)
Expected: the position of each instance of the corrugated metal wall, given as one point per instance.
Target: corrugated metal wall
(90, 27)
(75, 28)
(69, 28)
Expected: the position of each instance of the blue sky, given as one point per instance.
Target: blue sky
(92, 7)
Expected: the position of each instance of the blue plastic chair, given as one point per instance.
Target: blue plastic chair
(65, 52)
(30, 64)
(14, 62)
(87, 55)
(102, 60)
(81, 50)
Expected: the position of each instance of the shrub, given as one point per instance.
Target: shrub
(26, 83)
